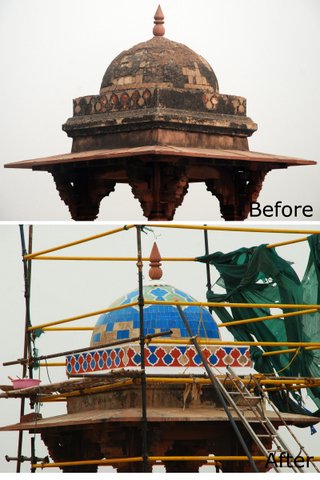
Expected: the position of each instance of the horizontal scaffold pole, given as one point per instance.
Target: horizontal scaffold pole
(290, 306)
(77, 242)
(268, 317)
(288, 242)
(52, 364)
(80, 317)
(234, 229)
(113, 259)
(148, 337)
(247, 381)
(228, 343)
(154, 302)
(288, 350)
(87, 391)
(210, 458)
(280, 383)
(67, 329)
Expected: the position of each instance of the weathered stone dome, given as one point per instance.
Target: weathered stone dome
(159, 62)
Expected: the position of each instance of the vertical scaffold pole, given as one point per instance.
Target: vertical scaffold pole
(206, 249)
(27, 339)
(33, 454)
(144, 432)
(208, 285)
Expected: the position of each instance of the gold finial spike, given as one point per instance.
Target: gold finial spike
(158, 29)
(155, 272)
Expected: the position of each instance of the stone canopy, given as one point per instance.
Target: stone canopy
(158, 124)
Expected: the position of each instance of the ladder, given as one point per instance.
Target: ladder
(241, 396)
(283, 422)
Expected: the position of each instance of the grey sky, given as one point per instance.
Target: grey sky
(54, 51)
(63, 289)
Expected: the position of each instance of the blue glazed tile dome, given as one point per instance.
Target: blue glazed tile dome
(122, 324)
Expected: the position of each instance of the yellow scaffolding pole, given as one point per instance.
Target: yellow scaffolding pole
(52, 364)
(246, 381)
(67, 329)
(234, 229)
(77, 242)
(288, 350)
(79, 317)
(289, 242)
(200, 304)
(284, 382)
(114, 259)
(237, 305)
(268, 317)
(86, 391)
(209, 458)
(288, 388)
(222, 343)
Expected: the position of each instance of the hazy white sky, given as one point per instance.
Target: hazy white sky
(63, 289)
(54, 51)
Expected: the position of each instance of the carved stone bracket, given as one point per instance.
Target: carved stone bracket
(64, 445)
(159, 187)
(186, 448)
(82, 192)
(236, 190)
(123, 441)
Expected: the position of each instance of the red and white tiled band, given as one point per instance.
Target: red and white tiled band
(156, 356)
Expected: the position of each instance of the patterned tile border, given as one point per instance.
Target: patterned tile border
(156, 356)
(140, 98)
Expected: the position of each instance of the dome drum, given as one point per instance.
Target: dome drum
(155, 97)
(148, 108)
(164, 357)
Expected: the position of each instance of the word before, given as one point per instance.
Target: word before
(286, 460)
(278, 209)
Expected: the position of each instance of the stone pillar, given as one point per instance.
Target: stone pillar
(188, 448)
(123, 441)
(82, 191)
(236, 189)
(159, 187)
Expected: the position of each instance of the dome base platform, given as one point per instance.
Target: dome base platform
(182, 420)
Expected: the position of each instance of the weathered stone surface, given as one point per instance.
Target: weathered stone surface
(162, 62)
(138, 99)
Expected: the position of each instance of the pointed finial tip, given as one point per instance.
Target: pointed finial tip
(158, 29)
(155, 272)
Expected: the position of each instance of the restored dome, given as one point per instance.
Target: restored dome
(159, 62)
(121, 324)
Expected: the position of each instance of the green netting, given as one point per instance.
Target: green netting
(259, 275)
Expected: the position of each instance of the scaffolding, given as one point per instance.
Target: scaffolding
(30, 359)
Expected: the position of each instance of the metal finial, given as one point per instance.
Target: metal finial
(158, 29)
(155, 272)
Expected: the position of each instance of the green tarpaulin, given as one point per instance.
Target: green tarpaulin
(259, 275)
